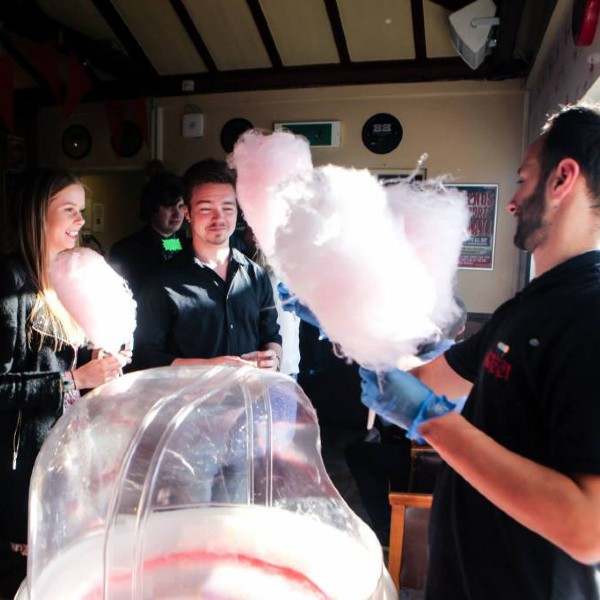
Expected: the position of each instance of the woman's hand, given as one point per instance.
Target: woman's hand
(105, 367)
(125, 355)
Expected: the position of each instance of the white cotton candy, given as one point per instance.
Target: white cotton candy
(375, 264)
(96, 297)
(268, 161)
(436, 220)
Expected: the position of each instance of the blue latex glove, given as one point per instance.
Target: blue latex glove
(406, 402)
(290, 303)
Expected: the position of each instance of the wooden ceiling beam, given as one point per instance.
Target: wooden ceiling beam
(124, 35)
(452, 5)
(506, 33)
(401, 71)
(418, 28)
(194, 35)
(265, 33)
(337, 29)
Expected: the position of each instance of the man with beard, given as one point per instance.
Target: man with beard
(516, 509)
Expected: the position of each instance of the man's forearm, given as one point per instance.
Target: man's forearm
(564, 510)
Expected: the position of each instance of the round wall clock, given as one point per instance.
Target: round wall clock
(76, 141)
(231, 132)
(382, 133)
(131, 140)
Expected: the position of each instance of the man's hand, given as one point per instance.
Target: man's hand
(405, 401)
(234, 361)
(263, 359)
(290, 303)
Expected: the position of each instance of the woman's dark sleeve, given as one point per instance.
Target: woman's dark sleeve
(21, 389)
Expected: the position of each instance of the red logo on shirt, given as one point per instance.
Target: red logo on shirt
(495, 365)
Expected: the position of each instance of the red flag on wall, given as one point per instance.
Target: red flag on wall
(115, 113)
(78, 85)
(140, 116)
(46, 58)
(7, 89)
(119, 111)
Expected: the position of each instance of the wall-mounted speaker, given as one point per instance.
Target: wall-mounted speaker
(470, 29)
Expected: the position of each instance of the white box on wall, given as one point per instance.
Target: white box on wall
(192, 125)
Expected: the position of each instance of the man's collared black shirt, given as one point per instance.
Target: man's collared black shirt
(188, 311)
(139, 256)
(534, 366)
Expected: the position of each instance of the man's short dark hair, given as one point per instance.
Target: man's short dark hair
(210, 170)
(574, 132)
(165, 189)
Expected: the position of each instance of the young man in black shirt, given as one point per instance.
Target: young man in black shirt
(516, 510)
(213, 305)
(138, 256)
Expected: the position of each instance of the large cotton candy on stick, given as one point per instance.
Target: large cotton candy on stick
(268, 161)
(436, 220)
(96, 297)
(346, 249)
(345, 257)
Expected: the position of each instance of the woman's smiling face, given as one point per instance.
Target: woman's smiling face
(65, 218)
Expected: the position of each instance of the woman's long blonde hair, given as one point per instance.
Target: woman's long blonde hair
(48, 317)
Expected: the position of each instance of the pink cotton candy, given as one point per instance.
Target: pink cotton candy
(263, 162)
(375, 264)
(96, 297)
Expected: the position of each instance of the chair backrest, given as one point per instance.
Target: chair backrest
(407, 558)
(408, 554)
(425, 464)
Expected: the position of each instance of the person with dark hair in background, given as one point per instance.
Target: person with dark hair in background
(139, 255)
(42, 365)
(213, 305)
(516, 510)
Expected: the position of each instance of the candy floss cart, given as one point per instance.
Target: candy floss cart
(194, 482)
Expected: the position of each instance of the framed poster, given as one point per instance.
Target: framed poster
(478, 250)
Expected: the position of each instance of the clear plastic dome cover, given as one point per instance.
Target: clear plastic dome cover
(194, 482)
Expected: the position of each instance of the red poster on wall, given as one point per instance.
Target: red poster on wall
(478, 250)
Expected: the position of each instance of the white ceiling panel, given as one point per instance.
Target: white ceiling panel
(229, 32)
(437, 31)
(378, 29)
(161, 35)
(302, 34)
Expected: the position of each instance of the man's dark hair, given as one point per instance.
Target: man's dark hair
(573, 132)
(209, 170)
(165, 189)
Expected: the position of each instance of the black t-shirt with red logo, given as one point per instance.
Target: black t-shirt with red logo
(536, 372)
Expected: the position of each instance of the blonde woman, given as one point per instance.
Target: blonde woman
(42, 369)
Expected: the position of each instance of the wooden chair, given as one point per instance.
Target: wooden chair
(405, 517)
(410, 520)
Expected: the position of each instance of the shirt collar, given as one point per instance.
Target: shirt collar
(235, 256)
(565, 270)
